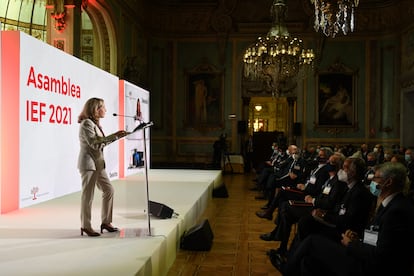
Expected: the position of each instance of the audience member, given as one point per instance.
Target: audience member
(352, 212)
(371, 163)
(270, 166)
(313, 185)
(388, 155)
(288, 176)
(379, 150)
(269, 162)
(290, 212)
(384, 249)
(409, 159)
(363, 152)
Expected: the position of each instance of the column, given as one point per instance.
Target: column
(291, 115)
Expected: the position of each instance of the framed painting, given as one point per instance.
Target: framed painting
(336, 98)
(205, 97)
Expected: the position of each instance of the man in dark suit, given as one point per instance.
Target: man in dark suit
(291, 191)
(271, 166)
(286, 172)
(385, 249)
(352, 212)
(289, 212)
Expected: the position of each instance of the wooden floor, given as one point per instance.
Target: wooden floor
(237, 248)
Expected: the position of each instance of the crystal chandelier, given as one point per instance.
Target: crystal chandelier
(333, 16)
(277, 59)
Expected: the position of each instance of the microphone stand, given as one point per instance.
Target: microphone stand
(146, 176)
(143, 127)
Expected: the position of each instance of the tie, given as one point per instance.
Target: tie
(377, 214)
(326, 184)
(380, 208)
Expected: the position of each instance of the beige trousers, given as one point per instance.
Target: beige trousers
(101, 180)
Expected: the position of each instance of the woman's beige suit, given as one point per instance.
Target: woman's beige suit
(91, 165)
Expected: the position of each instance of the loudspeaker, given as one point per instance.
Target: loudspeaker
(297, 129)
(198, 238)
(241, 127)
(160, 210)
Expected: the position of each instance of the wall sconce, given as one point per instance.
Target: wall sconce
(59, 21)
(58, 13)
(258, 107)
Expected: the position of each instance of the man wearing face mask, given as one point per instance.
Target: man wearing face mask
(289, 188)
(352, 211)
(290, 212)
(374, 188)
(267, 169)
(409, 159)
(371, 163)
(386, 246)
(289, 173)
(379, 151)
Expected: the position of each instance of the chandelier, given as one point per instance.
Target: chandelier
(277, 59)
(333, 16)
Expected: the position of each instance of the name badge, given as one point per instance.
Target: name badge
(326, 190)
(312, 180)
(370, 237)
(342, 211)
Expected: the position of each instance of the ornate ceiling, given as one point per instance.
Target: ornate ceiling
(247, 17)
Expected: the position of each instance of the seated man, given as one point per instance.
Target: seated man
(288, 173)
(351, 212)
(266, 164)
(384, 249)
(287, 170)
(268, 170)
(290, 212)
(312, 186)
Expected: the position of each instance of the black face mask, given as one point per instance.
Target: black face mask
(371, 163)
(330, 167)
(321, 160)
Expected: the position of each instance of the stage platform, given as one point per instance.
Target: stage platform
(45, 239)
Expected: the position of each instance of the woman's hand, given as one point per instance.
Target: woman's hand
(121, 133)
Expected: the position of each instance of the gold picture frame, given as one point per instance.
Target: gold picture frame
(205, 97)
(336, 98)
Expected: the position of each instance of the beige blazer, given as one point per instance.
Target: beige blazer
(91, 139)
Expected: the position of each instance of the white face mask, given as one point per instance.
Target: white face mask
(342, 175)
(287, 152)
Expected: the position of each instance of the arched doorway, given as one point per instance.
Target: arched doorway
(97, 38)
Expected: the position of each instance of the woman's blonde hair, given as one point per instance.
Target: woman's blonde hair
(89, 109)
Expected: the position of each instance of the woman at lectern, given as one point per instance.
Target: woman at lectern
(91, 165)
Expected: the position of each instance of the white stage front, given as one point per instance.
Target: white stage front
(44, 239)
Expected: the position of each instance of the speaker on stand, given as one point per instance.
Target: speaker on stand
(160, 210)
(198, 238)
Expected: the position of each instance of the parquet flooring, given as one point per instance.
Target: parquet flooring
(237, 248)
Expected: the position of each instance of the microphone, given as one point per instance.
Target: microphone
(135, 117)
(143, 125)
